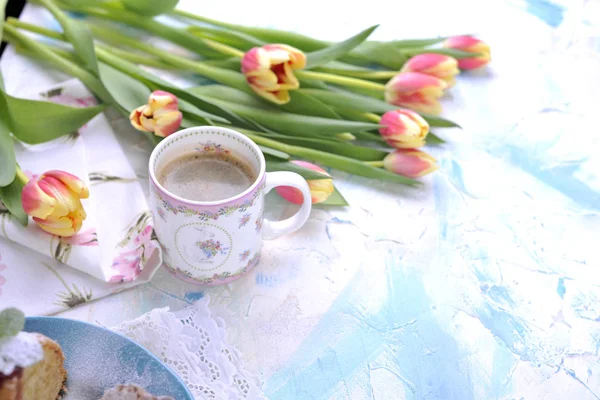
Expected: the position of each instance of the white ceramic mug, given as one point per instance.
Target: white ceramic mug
(217, 242)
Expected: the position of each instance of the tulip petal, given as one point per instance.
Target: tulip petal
(471, 45)
(35, 201)
(411, 163)
(71, 181)
(268, 71)
(290, 193)
(134, 118)
(168, 124)
(320, 189)
(311, 166)
(159, 99)
(66, 200)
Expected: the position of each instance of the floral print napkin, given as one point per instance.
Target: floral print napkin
(116, 247)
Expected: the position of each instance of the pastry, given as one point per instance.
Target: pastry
(31, 367)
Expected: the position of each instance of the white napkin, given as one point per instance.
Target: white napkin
(116, 247)
(193, 343)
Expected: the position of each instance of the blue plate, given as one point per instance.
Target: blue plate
(97, 359)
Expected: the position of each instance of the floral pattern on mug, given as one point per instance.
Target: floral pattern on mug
(258, 224)
(219, 278)
(161, 214)
(211, 248)
(211, 147)
(205, 216)
(244, 220)
(244, 255)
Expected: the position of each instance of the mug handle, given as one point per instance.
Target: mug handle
(274, 229)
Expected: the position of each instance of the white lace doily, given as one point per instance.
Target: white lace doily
(22, 351)
(193, 344)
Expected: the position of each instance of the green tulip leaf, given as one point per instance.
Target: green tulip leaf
(2, 16)
(353, 166)
(239, 40)
(335, 199)
(313, 84)
(155, 83)
(12, 321)
(232, 64)
(51, 120)
(382, 53)
(349, 101)
(78, 35)
(412, 43)
(150, 8)
(331, 146)
(336, 50)
(458, 54)
(190, 122)
(438, 122)
(11, 197)
(305, 104)
(190, 109)
(129, 93)
(274, 164)
(299, 104)
(434, 139)
(8, 161)
(280, 155)
(226, 93)
(292, 123)
(297, 124)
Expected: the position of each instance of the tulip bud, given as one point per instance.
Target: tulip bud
(437, 65)
(470, 45)
(416, 91)
(320, 189)
(161, 115)
(268, 70)
(411, 163)
(404, 129)
(53, 199)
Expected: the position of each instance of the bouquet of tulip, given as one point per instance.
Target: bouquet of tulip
(364, 107)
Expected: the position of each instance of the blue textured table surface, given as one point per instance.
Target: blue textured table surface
(485, 283)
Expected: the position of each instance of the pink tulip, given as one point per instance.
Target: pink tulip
(470, 45)
(53, 199)
(404, 129)
(161, 115)
(437, 65)
(411, 163)
(268, 70)
(416, 91)
(320, 189)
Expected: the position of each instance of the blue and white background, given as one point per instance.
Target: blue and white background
(485, 283)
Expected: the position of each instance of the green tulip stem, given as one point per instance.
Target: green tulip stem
(21, 176)
(209, 21)
(340, 80)
(342, 163)
(373, 75)
(223, 76)
(223, 48)
(127, 55)
(372, 117)
(69, 67)
(135, 57)
(175, 35)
